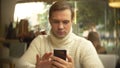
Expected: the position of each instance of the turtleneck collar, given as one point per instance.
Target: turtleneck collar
(60, 41)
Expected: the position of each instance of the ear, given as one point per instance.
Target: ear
(72, 21)
(49, 20)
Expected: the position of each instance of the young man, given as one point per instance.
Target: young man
(80, 52)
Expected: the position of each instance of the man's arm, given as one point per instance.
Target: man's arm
(89, 57)
(28, 59)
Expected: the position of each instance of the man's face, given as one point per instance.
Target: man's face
(61, 23)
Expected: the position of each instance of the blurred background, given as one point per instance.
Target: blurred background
(22, 20)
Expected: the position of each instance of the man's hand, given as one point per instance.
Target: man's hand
(43, 62)
(60, 63)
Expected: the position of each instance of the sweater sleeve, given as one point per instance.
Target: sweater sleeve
(89, 56)
(28, 60)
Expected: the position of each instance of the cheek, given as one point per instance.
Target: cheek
(53, 27)
(68, 27)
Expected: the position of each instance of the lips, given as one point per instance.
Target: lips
(60, 33)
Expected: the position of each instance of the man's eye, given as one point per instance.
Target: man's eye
(66, 22)
(55, 21)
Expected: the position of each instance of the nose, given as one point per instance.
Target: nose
(60, 26)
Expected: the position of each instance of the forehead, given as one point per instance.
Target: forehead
(61, 13)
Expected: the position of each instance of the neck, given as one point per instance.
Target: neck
(60, 41)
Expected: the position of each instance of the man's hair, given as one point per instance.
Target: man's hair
(61, 5)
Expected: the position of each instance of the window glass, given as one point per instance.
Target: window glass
(90, 15)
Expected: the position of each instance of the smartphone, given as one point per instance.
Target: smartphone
(61, 53)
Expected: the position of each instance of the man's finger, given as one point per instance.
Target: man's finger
(69, 58)
(37, 58)
(46, 56)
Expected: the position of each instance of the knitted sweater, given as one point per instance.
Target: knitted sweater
(81, 50)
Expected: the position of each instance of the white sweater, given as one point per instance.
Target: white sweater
(80, 49)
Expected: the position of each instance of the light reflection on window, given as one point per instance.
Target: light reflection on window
(32, 11)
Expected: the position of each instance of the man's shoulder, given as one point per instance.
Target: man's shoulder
(80, 39)
(40, 37)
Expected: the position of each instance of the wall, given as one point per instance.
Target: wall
(7, 12)
(0, 15)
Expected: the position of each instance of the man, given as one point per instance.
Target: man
(80, 52)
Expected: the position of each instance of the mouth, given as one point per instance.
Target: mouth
(60, 33)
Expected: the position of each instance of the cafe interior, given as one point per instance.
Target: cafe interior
(22, 20)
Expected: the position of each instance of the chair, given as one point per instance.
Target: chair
(16, 50)
(109, 60)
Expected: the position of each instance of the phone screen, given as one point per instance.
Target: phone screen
(60, 53)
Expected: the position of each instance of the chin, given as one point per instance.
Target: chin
(61, 36)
